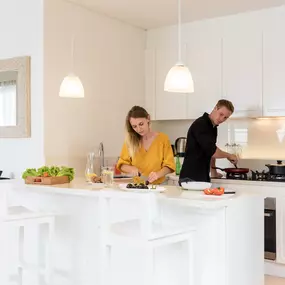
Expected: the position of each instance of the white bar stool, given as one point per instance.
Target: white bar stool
(18, 219)
(142, 233)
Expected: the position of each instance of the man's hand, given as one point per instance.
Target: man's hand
(232, 158)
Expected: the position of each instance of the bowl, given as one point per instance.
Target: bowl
(196, 185)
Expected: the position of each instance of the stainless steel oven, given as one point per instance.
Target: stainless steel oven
(270, 228)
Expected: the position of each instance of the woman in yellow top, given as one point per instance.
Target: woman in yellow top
(144, 151)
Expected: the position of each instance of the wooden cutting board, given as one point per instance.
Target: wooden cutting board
(46, 180)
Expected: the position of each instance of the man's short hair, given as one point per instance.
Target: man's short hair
(225, 103)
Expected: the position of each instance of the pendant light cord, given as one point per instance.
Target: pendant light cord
(179, 32)
(72, 53)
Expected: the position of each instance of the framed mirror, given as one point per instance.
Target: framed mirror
(15, 107)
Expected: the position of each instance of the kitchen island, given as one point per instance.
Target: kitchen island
(228, 233)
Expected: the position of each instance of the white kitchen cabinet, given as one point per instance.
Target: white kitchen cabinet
(240, 58)
(204, 61)
(150, 82)
(274, 65)
(280, 226)
(168, 106)
(242, 65)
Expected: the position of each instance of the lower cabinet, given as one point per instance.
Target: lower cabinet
(280, 230)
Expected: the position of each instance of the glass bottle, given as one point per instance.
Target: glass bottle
(177, 165)
(89, 170)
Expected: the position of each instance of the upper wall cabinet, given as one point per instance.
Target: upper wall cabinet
(240, 58)
(150, 82)
(242, 65)
(204, 62)
(162, 105)
(274, 64)
(169, 105)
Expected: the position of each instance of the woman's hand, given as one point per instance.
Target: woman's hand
(152, 177)
(134, 171)
(130, 169)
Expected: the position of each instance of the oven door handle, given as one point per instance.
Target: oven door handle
(268, 214)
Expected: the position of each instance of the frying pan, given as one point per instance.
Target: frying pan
(233, 170)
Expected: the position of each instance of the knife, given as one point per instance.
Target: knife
(145, 178)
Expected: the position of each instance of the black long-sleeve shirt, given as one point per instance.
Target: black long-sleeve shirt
(200, 147)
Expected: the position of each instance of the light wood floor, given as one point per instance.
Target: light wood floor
(269, 280)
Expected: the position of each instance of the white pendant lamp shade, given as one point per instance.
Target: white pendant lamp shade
(179, 79)
(71, 87)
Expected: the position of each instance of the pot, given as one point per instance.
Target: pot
(276, 169)
(233, 170)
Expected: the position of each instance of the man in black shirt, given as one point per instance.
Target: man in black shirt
(201, 150)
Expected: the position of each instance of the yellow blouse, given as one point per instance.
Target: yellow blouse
(158, 155)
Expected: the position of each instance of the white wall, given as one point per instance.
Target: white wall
(109, 59)
(21, 29)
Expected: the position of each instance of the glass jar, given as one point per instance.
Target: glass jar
(107, 175)
(89, 170)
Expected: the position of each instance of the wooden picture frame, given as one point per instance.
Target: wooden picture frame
(21, 66)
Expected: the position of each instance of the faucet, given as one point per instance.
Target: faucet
(101, 155)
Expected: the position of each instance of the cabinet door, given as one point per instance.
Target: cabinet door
(274, 65)
(280, 229)
(242, 67)
(168, 106)
(150, 82)
(204, 62)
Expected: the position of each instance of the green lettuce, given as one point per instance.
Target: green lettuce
(52, 171)
(30, 172)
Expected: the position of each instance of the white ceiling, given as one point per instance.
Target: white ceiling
(149, 14)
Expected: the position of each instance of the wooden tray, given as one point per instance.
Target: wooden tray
(46, 180)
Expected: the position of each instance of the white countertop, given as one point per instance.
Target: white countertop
(175, 177)
(173, 193)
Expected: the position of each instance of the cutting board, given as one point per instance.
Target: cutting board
(46, 180)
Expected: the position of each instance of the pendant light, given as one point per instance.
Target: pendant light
(179, 78)
(71, 86)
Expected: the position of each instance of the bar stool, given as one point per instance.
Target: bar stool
(142, 233)
(17, 219)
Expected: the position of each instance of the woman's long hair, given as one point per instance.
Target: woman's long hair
(133, 139)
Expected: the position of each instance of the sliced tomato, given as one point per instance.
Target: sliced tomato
(219, 191)
(208, 191)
